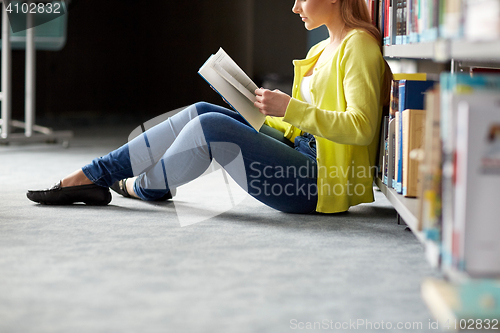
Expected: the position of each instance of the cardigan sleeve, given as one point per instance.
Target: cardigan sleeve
(361, 67)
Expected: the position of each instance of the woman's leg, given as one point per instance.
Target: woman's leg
(144, 151)
(269, 170)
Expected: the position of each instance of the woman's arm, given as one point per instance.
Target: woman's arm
(361, 65)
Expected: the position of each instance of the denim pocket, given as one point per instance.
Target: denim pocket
(306, 144)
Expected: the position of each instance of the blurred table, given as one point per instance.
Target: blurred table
(32, 132)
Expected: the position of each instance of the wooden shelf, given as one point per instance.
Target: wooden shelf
(407, 208)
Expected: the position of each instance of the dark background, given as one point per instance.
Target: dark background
(128, 61)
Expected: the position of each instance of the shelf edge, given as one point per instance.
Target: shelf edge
(406, 214)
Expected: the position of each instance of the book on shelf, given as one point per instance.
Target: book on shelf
(411, 96)
(413, 129)
(373, 10)
(428, 20)
(387, 22)
(396, 150)
(429, 191)
(440, 16)
(389, 162)
(412, 21)
(482, 20)
(455, 88)
(476, 231)
(400, 21)
(397, 159)
(383, 149)
(452, 18)
(391, 18)
(380, 19)
(234, 86)
(394, 101)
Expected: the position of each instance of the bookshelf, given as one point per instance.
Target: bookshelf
(458, 299)
(442, 297)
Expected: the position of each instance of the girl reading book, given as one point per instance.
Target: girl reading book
(315, 153)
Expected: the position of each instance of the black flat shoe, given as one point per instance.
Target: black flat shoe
(120, 187)
(89, 194)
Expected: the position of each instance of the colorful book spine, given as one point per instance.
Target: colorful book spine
(452, 19)
(397, 159)
(381, 8)
(382, 166)
(399, 21)
(387, 27)
(391, 141)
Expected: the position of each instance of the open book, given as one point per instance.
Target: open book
(235, 87)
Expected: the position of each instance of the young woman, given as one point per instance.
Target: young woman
(315, 152)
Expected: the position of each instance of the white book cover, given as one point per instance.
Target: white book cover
(449, 106)
(234, 85)
(477, 190)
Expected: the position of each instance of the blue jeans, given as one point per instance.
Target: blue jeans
(181, 148)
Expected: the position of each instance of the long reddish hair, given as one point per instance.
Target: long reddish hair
(356, 16)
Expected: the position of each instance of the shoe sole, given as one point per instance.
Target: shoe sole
(88, 203)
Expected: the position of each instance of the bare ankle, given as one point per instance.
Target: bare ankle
(130, 187)
(76, 178)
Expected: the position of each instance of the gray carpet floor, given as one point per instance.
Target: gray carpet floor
(133, 266)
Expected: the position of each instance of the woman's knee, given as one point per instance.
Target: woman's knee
(204, 107)
(214, 118)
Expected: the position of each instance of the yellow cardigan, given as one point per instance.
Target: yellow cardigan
(344, 117)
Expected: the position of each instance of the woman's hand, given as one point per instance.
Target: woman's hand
(271, 103)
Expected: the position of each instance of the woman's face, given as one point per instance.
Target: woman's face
(314, 13)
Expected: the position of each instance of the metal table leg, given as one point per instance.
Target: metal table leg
(29, 112)
(6, 95)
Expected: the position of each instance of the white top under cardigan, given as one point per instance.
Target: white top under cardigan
(305, 89)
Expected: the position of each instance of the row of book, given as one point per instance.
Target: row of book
(413, 21)
(451, 128)
(402, 132)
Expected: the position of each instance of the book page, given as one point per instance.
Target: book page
(231, 72)
(234, 82)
